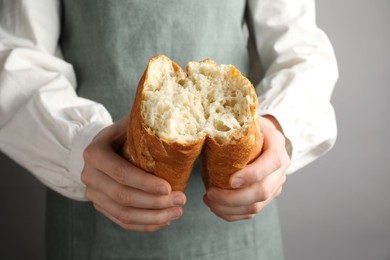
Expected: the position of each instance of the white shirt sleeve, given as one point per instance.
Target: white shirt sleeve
(44, 125)
(300, 74)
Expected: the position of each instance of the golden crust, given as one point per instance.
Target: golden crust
(220, 161)
(170, 161)
(173, 161)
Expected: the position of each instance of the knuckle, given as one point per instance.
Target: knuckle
(255, 208)
(120, 173)
(89, 153)
(84, 177)
(264, 193)
(123, 217)
(124, 197)
(221, 198)
(215, 198)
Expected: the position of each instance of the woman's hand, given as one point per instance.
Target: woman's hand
(130, 197)
(258, 183)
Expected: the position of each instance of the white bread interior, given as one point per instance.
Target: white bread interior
(211, 100)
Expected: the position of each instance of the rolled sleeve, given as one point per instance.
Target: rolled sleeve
(300, 74)
(44, 125)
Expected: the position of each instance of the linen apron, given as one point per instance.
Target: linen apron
(109, 44)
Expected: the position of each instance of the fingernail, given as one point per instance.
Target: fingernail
(176, 213)
(237, 182)
(178, 200)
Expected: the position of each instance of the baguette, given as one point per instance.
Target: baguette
(210, 112)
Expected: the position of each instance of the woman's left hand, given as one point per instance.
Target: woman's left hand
(258, 183)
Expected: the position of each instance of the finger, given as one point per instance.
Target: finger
(116, 133)
(123, 171)
(273, 157)
(232, 218)
(254, 208)
(129, 215)
(239, 212)
(257, 192)
(128, 196)
(131, 227)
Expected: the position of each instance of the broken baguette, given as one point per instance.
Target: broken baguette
(176, 116)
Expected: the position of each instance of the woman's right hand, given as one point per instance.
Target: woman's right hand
(130, 197)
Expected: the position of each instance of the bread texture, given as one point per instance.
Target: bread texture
(210, 112)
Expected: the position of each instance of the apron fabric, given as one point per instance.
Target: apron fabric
(109, 44)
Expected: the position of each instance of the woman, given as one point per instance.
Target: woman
(46, 45)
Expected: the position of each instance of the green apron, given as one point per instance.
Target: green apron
(109, 43)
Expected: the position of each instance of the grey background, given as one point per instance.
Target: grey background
(336, 208)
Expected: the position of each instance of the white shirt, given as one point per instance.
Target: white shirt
(45, 126)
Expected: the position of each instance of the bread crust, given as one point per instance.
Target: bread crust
(173, 161)
(220, 161)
